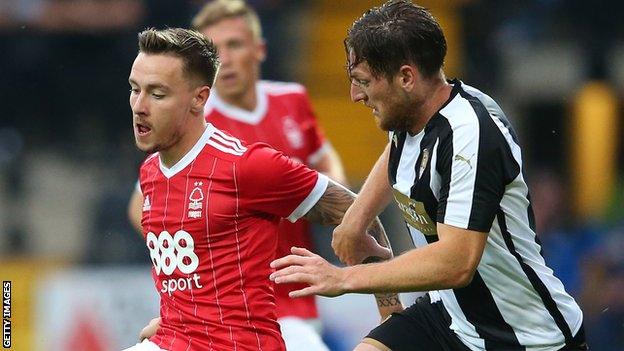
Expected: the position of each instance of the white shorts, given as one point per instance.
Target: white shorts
(301, 334)
(146, 345)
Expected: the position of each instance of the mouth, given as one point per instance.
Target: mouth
(227, 77)
(374, 109)
(142, 129)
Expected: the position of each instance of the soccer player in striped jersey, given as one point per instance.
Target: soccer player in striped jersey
(277, 113)
(454, 167)
(212, 204)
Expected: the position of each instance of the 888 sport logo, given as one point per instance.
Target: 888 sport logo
(169, 252)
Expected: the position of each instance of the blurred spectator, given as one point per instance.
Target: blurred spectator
(71, 16)
(602, 297)
(589, 262)
(566, 244)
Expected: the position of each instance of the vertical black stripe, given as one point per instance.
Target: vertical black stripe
(396, 149)
(531, 218)
(444, 161)
(421, 189)
(536, 282)
(496, 166)
(479, 307)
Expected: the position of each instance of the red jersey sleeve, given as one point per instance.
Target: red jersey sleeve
(272, 183)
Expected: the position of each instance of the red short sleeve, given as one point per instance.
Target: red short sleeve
(273, 183)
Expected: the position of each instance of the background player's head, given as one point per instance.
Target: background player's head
(234, 28)
(170, 82)
(393, 52)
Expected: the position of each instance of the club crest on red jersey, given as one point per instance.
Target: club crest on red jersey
(196, 199)
(293, 133)
(147, 204)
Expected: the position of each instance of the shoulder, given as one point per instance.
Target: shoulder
(470, 111)
(225, 146)
(150, 161)
(282, 89)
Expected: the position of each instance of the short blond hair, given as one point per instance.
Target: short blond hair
(218, 10)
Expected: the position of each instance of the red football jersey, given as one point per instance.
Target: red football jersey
(210, 224)
(284, 119)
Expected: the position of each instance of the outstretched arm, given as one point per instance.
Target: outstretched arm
(448, 263)
(135, 209)
(372, 199)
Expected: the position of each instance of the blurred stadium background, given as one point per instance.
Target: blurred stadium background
(68, 163)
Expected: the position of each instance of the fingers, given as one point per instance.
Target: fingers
(302, 252)
(299, 257)
(383, 252)
(150, 329)
(310, 290)
(296, 277)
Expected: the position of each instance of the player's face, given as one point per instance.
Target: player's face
(161, 97)
(240, 54)
(390, 104)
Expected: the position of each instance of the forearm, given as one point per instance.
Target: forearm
(387, 303)
(332, 206)
(422, 269)
(374, 196)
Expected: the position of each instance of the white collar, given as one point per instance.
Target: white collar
(237, 113)
(190, 155)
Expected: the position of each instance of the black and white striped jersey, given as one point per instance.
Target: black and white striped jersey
(465, 169)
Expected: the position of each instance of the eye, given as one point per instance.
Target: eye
(134, 91)
(362, 83)
(158, 96)
(235, 44)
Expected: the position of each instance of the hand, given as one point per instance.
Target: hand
(150, 329)
(304, 266)
(353, 247)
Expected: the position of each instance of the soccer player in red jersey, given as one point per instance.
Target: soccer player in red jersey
(279, 114)
(212, 204)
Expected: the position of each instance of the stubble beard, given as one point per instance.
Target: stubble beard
(167, 144)
(399, 117)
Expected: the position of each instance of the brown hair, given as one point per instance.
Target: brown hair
(218, 10)
(199, 54)
(397, 33)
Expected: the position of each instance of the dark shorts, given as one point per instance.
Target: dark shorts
(425, 326)
(422, 326)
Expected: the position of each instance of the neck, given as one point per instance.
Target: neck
(248, 100)
(436, 92)
(187, 140)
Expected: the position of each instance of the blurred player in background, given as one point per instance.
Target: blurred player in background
(279, 114)
(454, 167)
(212, 204)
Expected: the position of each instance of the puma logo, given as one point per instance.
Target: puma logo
(459, 157)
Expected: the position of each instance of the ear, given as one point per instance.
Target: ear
(261, 50)
(200, 98)
(408, 75)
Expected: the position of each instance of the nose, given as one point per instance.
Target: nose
(357, 94)
(139, 104)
